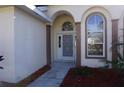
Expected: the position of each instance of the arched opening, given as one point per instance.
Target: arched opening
(92, 51)
(63, 43)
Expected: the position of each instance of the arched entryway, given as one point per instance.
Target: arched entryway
(63, 42)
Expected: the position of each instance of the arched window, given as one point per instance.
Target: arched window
(95, 35)
(67, 26)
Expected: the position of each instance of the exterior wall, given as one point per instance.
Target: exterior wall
(77, 11)
(7, 44)
(30, 44)
(80, 16)
(23, 37)
(57, 28)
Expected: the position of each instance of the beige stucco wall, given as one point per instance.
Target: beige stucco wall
(22, 43)
(7, 44)
(79, 13)
(30, 44)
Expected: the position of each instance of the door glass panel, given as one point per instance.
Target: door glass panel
(68, 45)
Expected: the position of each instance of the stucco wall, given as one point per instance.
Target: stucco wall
(79, 13)
(7, 44)
(30, 44)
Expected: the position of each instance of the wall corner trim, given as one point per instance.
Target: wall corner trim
(114, 38)
(78, 44)
(48, 44)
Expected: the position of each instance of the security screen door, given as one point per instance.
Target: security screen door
(65, 47)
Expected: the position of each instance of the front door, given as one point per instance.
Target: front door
(66, 47)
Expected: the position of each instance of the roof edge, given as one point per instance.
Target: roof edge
(35, 12)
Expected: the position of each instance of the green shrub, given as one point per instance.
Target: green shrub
(83, 71)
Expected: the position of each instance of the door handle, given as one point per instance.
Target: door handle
(59, 41)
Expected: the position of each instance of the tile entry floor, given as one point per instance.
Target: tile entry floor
(54, 76)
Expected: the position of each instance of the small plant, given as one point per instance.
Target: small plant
(119, 63)
(83, 71)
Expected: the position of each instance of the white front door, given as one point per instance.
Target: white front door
(66, 47)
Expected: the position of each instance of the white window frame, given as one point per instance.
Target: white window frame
(104, 36)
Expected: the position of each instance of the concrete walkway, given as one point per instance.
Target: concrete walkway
(53, 77)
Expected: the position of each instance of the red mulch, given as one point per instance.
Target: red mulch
(98, 78)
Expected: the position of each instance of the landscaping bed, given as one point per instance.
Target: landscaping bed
(93, 77)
